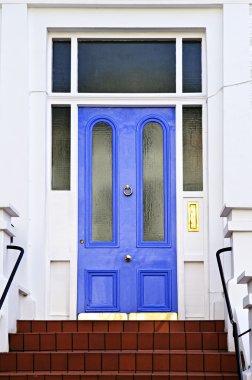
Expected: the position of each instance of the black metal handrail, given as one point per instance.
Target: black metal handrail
(230, 312)
(9, 282)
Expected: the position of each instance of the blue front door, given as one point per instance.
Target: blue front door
(127, 210)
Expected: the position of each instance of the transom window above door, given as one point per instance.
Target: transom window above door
(128, 66)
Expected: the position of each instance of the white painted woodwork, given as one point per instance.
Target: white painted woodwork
(59, 289)
(47, 227)
(246, 278)
(10, 308)
(241, 241)
(195, 297)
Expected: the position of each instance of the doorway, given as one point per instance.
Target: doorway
(127, 210)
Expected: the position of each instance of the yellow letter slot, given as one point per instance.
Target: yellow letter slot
(193, 217)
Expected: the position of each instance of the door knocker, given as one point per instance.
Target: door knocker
(127, 191)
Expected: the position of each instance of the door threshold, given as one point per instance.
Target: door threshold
(128, 316)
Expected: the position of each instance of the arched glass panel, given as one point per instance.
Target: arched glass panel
(102, 183)
(153, 182)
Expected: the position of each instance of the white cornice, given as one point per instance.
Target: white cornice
(10, 210)
(124, 3)
(227, 208)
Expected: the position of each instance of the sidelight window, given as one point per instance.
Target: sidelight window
(61, 131)
(192, 149)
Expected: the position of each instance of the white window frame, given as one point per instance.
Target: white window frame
(178, 99)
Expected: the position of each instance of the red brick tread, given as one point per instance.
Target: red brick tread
(119, 376)
(119, 326)
(191, 361)
(117, 341)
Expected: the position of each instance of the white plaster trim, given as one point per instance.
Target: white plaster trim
(8, 230)
(10, 210)
(228, 208)
(194, 258)
(244, 278)
(128, 3)
(23, 291)
(247, 302)
(124, 99)
(237, 226)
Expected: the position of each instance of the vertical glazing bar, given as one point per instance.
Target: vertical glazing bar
(74, 65)
(179, 65)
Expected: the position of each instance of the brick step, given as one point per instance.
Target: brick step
(118, 350)
(119, 326)
(119, 376)
(158, 361)
(118, 341)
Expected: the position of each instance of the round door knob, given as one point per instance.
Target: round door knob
(128, 258)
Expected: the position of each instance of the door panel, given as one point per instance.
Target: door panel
(128, 260)
(101, 290)
(154, 290)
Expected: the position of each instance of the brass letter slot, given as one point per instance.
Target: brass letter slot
(193, 217)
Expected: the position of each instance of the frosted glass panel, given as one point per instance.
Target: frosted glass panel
(102, 183)
(61, 131)
(192, 149)
(153, 182)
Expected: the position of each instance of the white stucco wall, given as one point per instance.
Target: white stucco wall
(14, 132)
(47, 227)
(250, 50)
